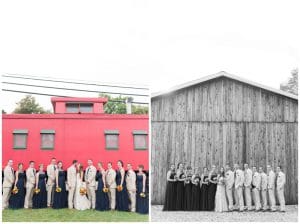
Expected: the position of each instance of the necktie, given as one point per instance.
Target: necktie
(54, 168)
(12, 170)
(33, 171)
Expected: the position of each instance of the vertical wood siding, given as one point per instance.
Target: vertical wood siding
(224, 121)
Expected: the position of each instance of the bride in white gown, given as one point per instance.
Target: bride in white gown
(220, 199)
(81, 202)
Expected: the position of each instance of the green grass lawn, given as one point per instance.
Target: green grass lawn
(66, 215)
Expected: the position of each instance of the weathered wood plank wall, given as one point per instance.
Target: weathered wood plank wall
(224, 121)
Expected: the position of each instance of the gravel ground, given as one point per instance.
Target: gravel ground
(291, 215)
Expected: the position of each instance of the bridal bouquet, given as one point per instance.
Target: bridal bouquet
(58, 189)
(105, 190)
(36, 191)
(15, 190)
(119, 188)
(82, 191)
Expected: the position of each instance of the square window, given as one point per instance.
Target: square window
(140, 139)
(112, 139)
(86, 107)
(72, 107)
(20, 139)
(47, 139)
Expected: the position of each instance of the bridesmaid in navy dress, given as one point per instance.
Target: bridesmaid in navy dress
(102, 201)
(196, 191)
(212, 188)
(204, 190)
(188, 189)
(39, 200)
(180, 187)
(122, 200)
(170, 197)
(60, 198)
(17, 200)
(142, 204)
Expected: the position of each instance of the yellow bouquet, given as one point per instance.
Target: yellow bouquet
(105, 190)
(142, 195)
(36, 191)
(119, 188)
(82, 191)
(58, 189)
(15, 190)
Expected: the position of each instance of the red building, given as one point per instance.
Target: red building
(78, 129)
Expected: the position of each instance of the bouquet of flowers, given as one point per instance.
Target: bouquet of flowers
(142, 195)
(36, 191)
(215, 178)
(119, 188)
(15, 190)
(58, 189)
(105, 190)
(82, 191)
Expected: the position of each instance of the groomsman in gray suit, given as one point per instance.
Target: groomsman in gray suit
(238, 185)
(131, 186)
(256, 183)
(229, 182)
(280, 188)
(51, 168)
(112, 185)
(247, 185)
(271, 188)
(71, 178)
(264, 186)
(90, 180)
(8, 182)
(30, 184)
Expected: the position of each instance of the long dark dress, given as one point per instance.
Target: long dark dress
(196, 194)
(102, 201)
(17, 200)
(212, 188)
(188, 194)
(142, 204)
(40, 200)
(180, 194)
(122, 199)
(204, 195)
(170, 197)
(60, 198)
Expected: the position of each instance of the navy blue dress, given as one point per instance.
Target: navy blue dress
(17, 200)
(102, 201)
(142, 204)
(122, 199)
(40, 200)
(60, 198)
(211, 192)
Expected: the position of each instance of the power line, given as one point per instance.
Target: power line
(70, 82)
(45, 94)
(79, 90)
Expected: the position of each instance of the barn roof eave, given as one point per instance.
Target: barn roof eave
(223, 74)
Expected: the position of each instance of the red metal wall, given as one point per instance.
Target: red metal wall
(78, 136)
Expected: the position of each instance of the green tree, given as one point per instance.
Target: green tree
(117, 105)
(291, 85)
(28, 105)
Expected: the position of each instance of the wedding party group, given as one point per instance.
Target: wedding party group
(250, 189)
(76, 188)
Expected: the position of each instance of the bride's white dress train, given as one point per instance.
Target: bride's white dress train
(81, 202)
(220, 199)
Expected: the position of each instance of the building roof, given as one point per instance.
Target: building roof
(79, 99)
(75, 116)
(227, 75)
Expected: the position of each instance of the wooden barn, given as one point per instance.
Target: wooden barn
(223, 119)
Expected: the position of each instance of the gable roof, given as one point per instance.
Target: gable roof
(230, 76)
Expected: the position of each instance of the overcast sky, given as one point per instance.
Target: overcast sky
(156, 43)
